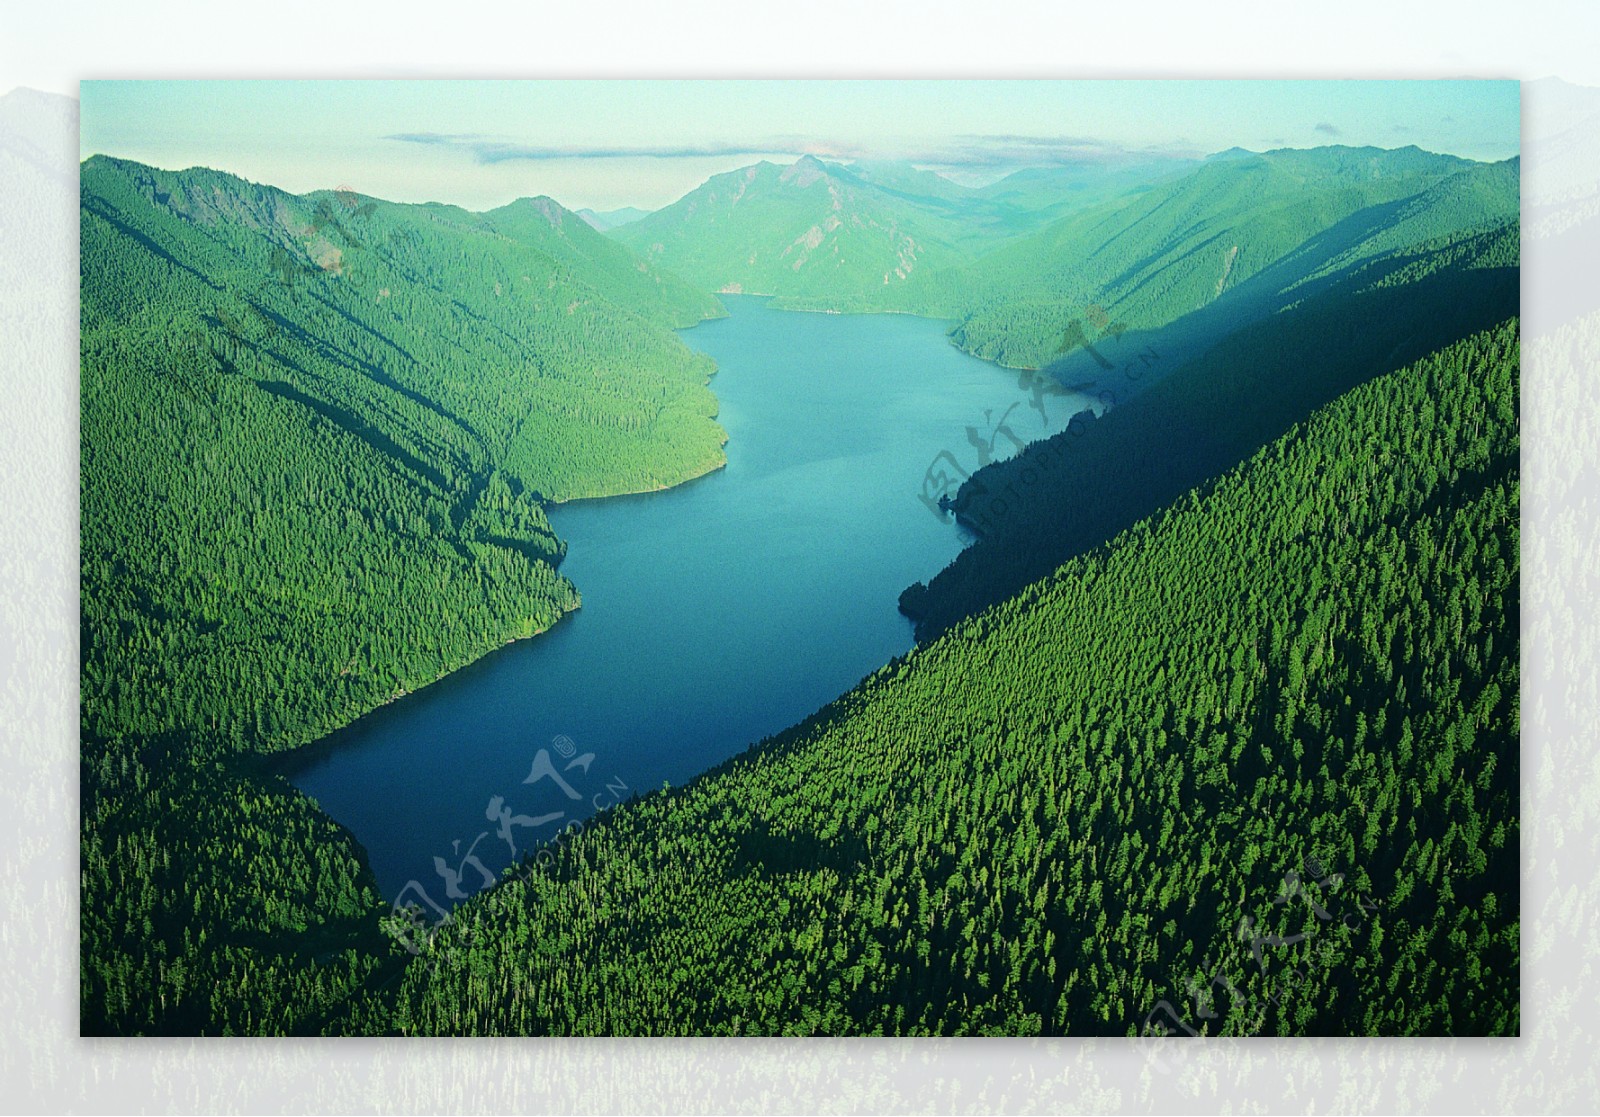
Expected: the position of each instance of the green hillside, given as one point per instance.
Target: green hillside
(1260, 618)
(1053, 192)
(824, 235)
(1014, 265)
(1152, 258)
(614, 218)
(1074, 491)
(1257, 757)
(804, 229)
(317, 433)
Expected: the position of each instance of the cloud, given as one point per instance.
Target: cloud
(440, 138)
(486, 150)
(1012, 138)
(967, 151)
(1007, 149)
(1327, 129)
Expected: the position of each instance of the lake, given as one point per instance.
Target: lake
(714, 614)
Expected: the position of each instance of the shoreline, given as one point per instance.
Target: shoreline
(629, 494)
(293, 764)
(287, 762)
(293, 760)
(300, 757)
(863, 313)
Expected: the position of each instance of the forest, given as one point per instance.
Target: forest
(1272, 730)
(318, 436)
(1214, 728)
(1172, 429)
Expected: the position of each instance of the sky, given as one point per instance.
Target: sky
(610, 144)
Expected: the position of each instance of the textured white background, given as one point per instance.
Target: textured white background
(44, 1066)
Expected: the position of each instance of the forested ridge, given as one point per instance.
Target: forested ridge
(1171, 428)
(1016, 264)
(317, 435)
(1259, 619)
(1273, 728)
(819, 230)
(1152, 258)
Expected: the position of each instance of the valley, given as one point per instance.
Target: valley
(1195, 481)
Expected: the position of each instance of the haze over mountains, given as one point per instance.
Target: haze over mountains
(612, 219)
(822, 229)
(1014, 263)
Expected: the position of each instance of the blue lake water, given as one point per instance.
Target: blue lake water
(713, 614)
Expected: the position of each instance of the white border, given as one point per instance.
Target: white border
(45, 1067)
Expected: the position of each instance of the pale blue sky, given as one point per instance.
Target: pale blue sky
(608, 144)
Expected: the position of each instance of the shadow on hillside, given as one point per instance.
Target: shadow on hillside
(1308, 272)
(1075, 491)
(760, 849)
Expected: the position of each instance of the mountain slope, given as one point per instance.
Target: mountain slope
(1154, 257)
(1173, 428)
(499, 322)
(614, 218)
(1272, 731)
(1235, 234)
(317, 435)
(541, 223)
(824, 235)
(806, 229)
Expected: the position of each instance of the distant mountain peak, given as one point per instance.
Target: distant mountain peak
(804, 171)
(884, 169)
(27, 95)
(553, 211)
(904, 176)
(614, 218)
(41, 128)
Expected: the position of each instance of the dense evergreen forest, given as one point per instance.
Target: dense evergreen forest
(1289, 217)
(1273, 729)
(1073, 491)
(1226, 690)
(317, 435)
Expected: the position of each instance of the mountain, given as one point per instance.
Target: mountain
(39, 636)
(1015, 263)
(613, 219)
(1258, 758)
(1231, 153)
(1259, 618)
(806, 229)
(1562, 120)
(1048, 193)
(1563, 198)
(318, 436)
(1423, 231)
(1191, 398)
(1149, 258)
(905, 179)
(40, 128)
(824, 235)
(580, 250)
